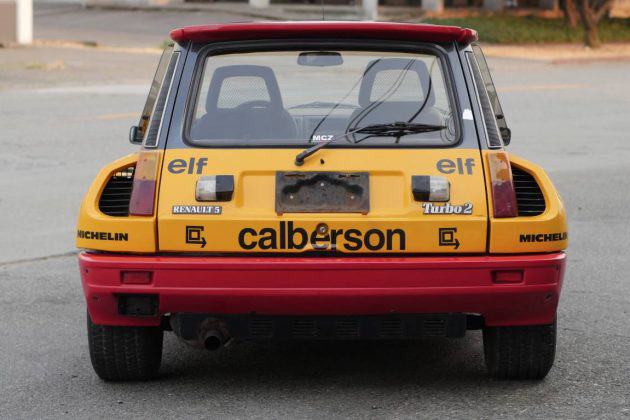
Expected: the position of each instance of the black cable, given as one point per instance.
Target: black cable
(426, 99)
(342, 100)
(386, 95)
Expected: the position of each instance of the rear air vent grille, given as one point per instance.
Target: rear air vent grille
(391, 328)
(347, 328)
(261, 328)
(529, 197)
(434, 327)
(115, 198)
(304, 328)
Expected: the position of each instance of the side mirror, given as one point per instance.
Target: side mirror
(134, 137)
(506, 135)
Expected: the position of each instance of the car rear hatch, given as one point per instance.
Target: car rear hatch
(412, 183)
(260, 216)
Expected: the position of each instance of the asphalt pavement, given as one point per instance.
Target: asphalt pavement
(65, 112)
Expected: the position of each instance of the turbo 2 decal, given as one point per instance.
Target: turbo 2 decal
(430, 208)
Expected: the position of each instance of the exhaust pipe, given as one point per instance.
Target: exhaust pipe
(209, 333)
(212, 334)
(213, 339)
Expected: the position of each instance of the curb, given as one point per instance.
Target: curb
(560, 54)
(151, 8)
(78, 45)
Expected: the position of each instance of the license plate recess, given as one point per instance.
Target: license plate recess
(322, 192)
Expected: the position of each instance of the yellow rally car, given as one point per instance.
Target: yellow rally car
(321, 180)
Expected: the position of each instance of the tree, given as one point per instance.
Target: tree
(591, 13)
(570, 13)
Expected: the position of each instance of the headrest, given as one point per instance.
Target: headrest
(221, 74)
(408, 70)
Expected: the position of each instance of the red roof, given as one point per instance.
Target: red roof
(276, 30)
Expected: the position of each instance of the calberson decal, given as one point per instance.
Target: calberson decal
(286, 236)
(543, 237)
(102, 236)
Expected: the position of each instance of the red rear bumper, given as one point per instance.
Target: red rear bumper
(329, 286)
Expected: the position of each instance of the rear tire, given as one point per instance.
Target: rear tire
(124, 353)
(519, 352)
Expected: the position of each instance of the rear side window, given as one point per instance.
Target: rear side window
(491, 107)
(297, 98)
(151, 118)
(489, 85)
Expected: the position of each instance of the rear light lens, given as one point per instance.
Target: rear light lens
(144, 182)
(503, 195)
(511, 276)
(135, 277)
(430, 188)
(215, 188)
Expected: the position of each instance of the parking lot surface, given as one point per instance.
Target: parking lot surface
(65, 112)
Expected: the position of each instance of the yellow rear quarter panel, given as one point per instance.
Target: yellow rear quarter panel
(513, 235)
(108, 233)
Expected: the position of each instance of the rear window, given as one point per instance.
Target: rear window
(297, 98)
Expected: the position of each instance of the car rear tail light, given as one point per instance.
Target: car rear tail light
(511, 276)
(144, 183)
(430, 188)
(502, 185)
(135, 277)
(215, 188)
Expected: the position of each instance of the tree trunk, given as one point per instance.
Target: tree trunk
(591, 36)
(589, 22)
(570, 13)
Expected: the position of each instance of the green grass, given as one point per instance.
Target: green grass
(165, 43)
(535, 30)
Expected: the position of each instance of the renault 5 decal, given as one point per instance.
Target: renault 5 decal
(193, 209)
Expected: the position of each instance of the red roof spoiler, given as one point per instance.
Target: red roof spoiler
(279, 30)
